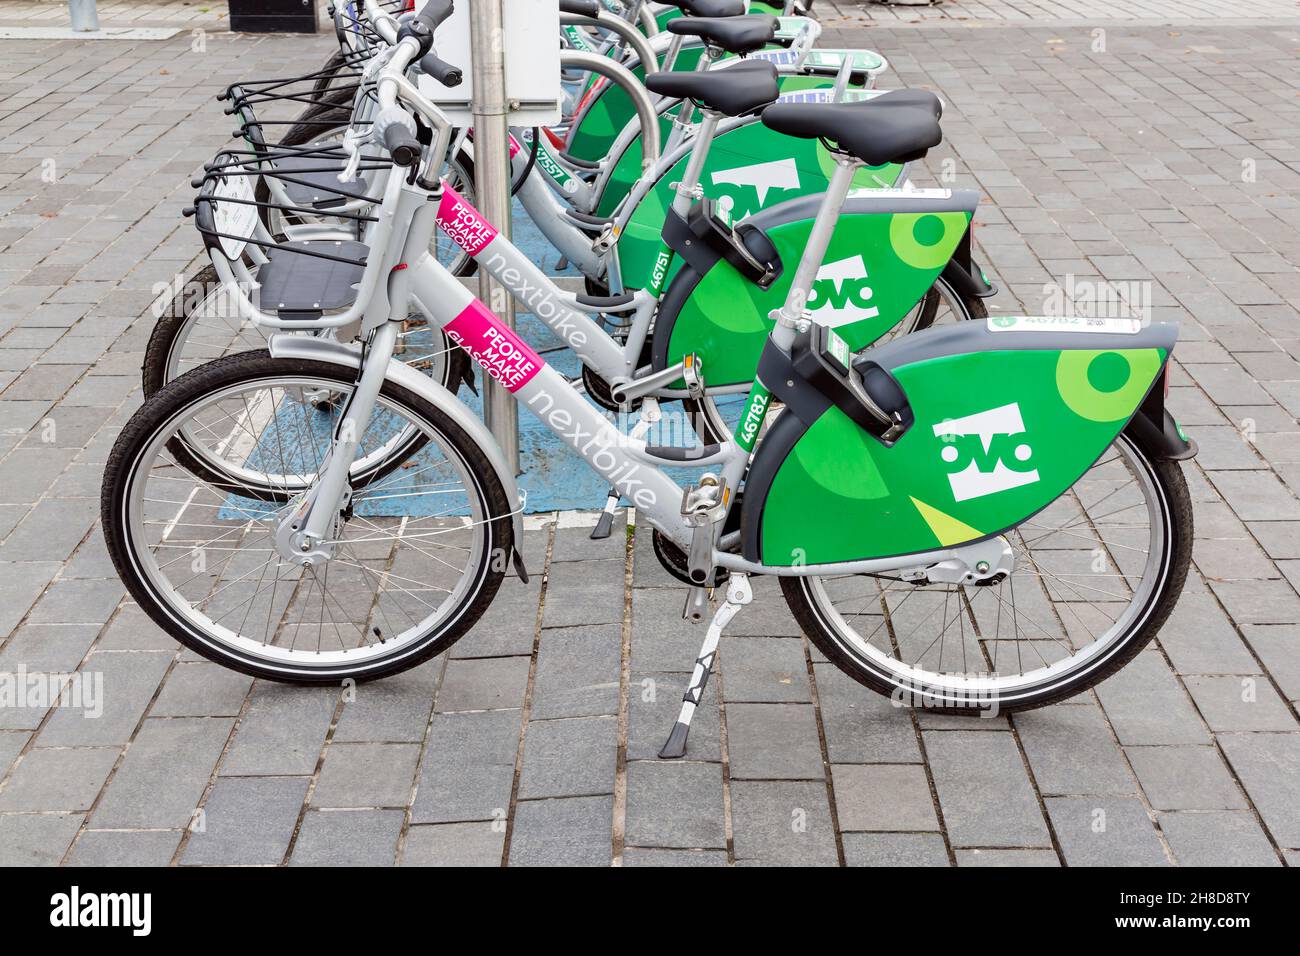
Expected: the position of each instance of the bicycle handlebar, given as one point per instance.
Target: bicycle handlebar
(402, 144)
(431, 65)
(582, 8)
(436, 12)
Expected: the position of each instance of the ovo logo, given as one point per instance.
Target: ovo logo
(987, 452)
(841, 293)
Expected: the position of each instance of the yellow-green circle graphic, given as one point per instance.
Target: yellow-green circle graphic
(920, 238)
(1104, 385)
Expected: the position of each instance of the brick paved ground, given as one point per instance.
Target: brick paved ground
(533, 740)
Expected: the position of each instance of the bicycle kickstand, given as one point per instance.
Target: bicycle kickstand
(649, 418)
(738, 595)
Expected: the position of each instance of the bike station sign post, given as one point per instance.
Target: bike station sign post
(510, 80)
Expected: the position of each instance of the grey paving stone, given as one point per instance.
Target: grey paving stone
(1185, 778)
(163, 775)
(1268, 766)
(57, 779)
(132, 630)
(393, 709)
(78, 601)
(588, 592)
(11, 744)
(201, 689)
(1256, 495)
(1241, 703)
(36, 839)
(47, 648)
(91, 559)
(981, 857)
(578, 671)
(492, 683)
(1146, 705)
(129, 682)
(566, 758)
(1281, 539)
(21, 583)
(282, 731)
(1259, 602)
(661, 641)
(652, 706)
(674, 804)
(348, 838)
(646, 570)
(572, 831)
(642, 856)
(764, 669)
(888, 797)
(782, 823)
(773, 742)
(1105, 831)
(124, 848)
(247, 821)
(1071, 751)
(1222, 838)
(1278, 647)
(468, 768)
(26, 474)
(509, 626)
(50, 532)
(895, 849)
(984, 792)
(455, 844)
(767, 616)
(1199, 638)
(366, 775)
(576, 544)
(861, 726)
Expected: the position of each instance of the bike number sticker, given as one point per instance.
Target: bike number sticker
(501, 353)
(1062, 323)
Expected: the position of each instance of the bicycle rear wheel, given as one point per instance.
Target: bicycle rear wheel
(1096, 573)
(415, 557)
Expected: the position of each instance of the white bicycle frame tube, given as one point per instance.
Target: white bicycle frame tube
(623, 461)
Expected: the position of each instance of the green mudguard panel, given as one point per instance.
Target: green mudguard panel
(749, 167)
(1005, 423)
(885, 254)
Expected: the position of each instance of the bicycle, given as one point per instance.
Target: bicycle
(977, 464)
(683, 321)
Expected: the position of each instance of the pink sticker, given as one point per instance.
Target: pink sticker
(514, 147)
(502, 353)
(463, 223)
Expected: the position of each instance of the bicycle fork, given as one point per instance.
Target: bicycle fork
(305, 535)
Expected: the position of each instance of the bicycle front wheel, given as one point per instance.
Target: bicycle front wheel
(414, 558)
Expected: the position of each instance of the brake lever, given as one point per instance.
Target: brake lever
(352, 142)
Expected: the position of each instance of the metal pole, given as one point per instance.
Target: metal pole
(492, 184)
(83, 15)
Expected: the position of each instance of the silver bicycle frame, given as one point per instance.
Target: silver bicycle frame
(625, 462)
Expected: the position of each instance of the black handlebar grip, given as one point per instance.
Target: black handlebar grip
(581, 8)
(402, 145)
(441, 70)
(435, 12)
